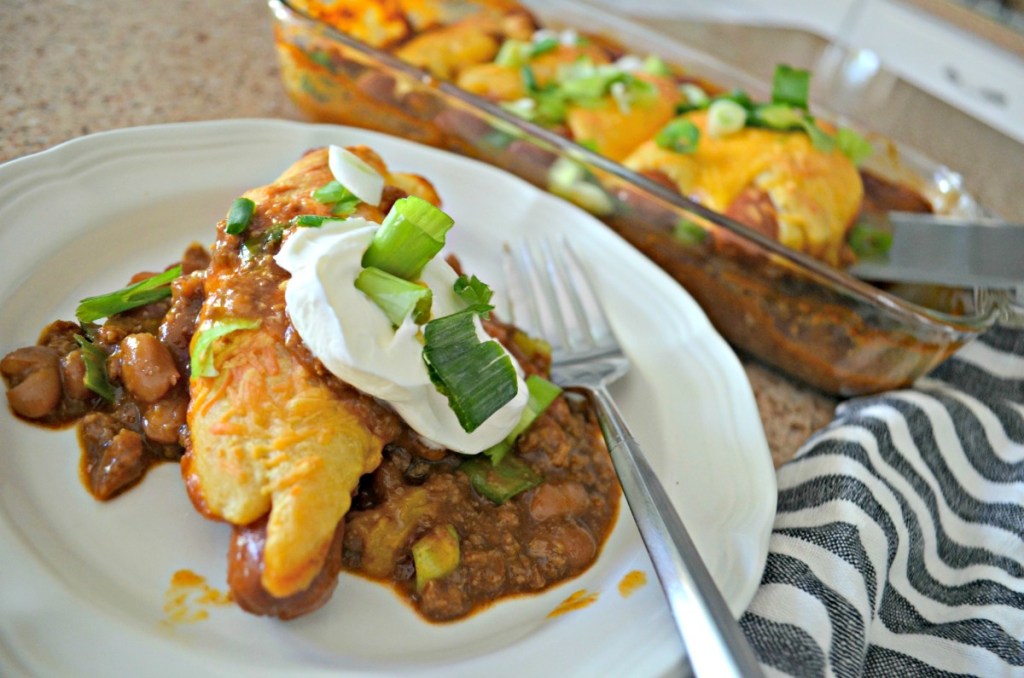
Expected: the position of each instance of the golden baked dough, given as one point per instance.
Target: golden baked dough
(816, 195)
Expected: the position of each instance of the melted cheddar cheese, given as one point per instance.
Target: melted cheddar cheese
(816, 195)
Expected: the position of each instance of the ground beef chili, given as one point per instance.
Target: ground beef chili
(541, 536)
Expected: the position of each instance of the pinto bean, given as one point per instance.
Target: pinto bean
(162, 421)
(72, 368)
(558, 500)
(34, 372)
(147, 367)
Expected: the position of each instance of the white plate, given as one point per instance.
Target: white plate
(82, 583)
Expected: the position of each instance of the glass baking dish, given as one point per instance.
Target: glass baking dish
(809, 319)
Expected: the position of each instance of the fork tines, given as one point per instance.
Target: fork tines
(551, 296)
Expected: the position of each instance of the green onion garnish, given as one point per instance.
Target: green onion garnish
(791, 86)
(240, 215)
(777, 116)
(330, 192)
(95, 360)
(202, 345)
(477, 377)
(499, 482)
(361, 179)
(681, 136)
(655, 65)
(141, 293)
(551, 107)
(529, 79)
(397, 297)
(820, 139)
(867, 241)
(570, 180)
(725, 117)
(583, 82)
(689, 233)
(269, 238)
(436, 554)
(410, 235)
(334, 193)
(313, 220)
(475, 293)
(739, 96)
(695, 95)
(514, 53)
(542, 394)
(853, 146)
(543, 47)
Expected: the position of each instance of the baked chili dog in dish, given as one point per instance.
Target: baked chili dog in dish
(769, 165)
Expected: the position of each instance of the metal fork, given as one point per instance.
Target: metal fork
(551, 297)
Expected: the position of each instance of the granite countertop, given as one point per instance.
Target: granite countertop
(70, 68)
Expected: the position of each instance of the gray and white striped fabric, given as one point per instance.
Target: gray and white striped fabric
(898, 548)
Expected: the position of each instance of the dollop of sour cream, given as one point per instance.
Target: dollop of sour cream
(354, 339)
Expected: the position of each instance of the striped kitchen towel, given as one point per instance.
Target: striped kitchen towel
(898, 548)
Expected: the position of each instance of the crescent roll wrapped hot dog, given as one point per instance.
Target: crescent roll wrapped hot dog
(275, 442)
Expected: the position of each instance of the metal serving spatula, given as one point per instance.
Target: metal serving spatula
(954, 252)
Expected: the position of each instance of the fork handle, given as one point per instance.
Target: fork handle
(715, 645)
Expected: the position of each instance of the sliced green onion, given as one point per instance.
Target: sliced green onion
(543, 47)
(95, 360)
(529, 79)
(725, 117)
(588, 144)
(411, 234)
(587, 83)
(568, 179)
(436, 554)
(820, 139)
(265, 240)
(542, 394)
(331, 192)
(335, 193)
(778, 116)
(202, 344)
(551, 107)
(314, 220)
(397, 297)
(655, 65)
(739, 96)
(514, 53)
(695, 95)
(867, 241)
(499, 482)
(361, 179)
(141, 293)
(475, 293)
(240, 215)
(680, 136)
(853, 146)
(689, 233)
(477, 377)
(791, 86)
(525, 108)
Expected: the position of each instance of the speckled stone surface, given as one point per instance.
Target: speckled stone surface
(69, 68)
